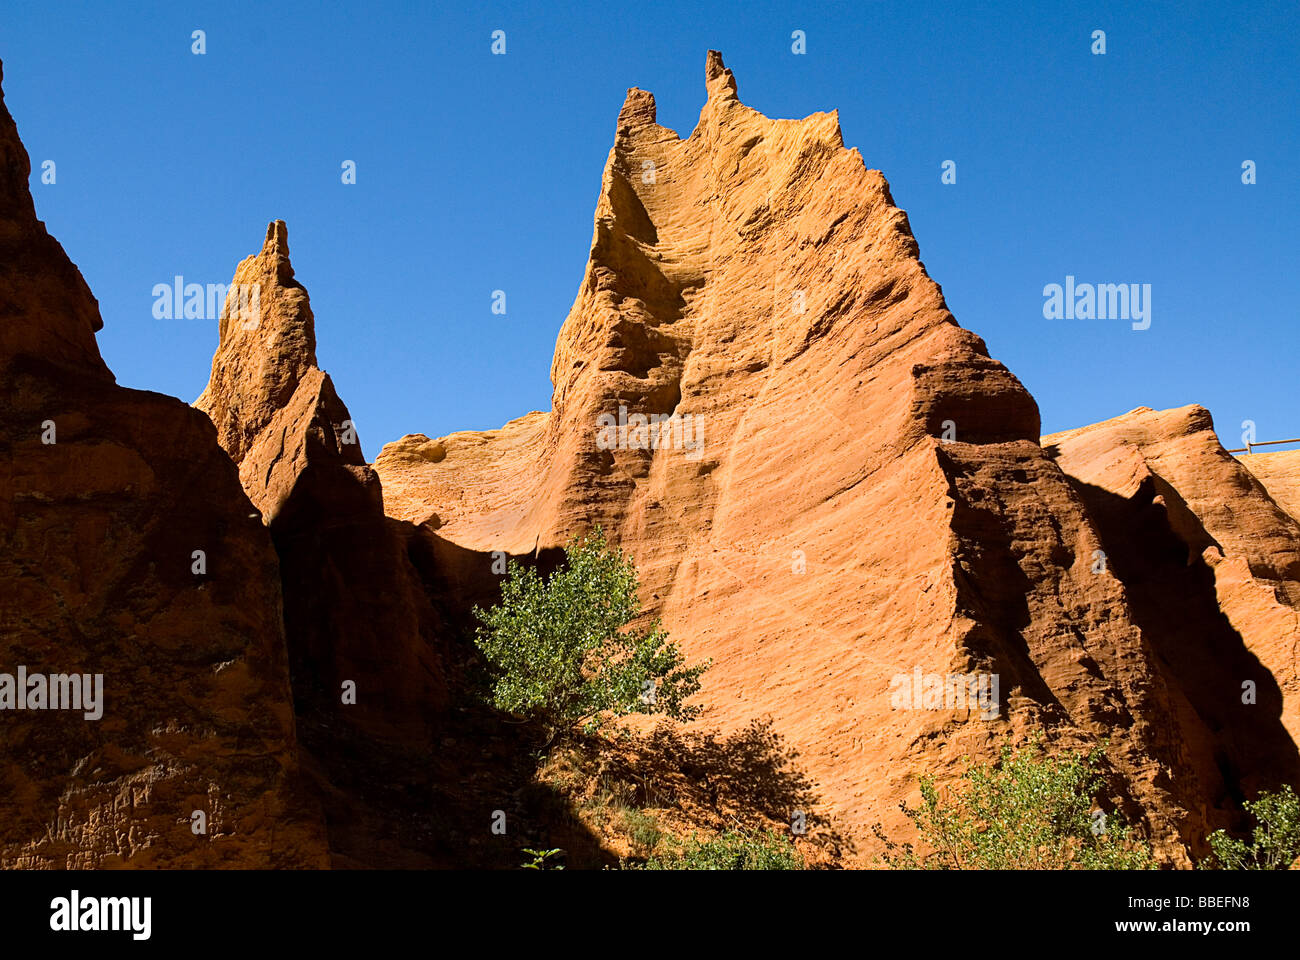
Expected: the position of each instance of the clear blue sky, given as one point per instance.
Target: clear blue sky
(477, 172)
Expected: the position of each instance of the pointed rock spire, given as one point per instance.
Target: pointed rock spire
(300, 462)
(638, 108)
(267, 345)
(718, 80)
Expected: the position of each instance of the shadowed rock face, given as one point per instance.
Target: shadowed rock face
(98, 533)
(1211, 563)
(756, 281)
(355, 610)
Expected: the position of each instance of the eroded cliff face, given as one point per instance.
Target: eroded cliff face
(846, 489)
(356, 612)
(128, 549)
(1212, 565)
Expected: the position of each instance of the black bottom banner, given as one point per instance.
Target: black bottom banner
(620, 909)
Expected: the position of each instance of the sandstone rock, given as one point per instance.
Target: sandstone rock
(355, 609)
(98, 531)
(1280, 474)
(261, 357)
(1212, 566)
(827, 486)
(868, 497)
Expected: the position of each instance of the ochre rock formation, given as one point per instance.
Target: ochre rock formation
(828, 487)
(1280, 475)
(847, 489)
(1211, 563)
(106, 494)
(355, 609)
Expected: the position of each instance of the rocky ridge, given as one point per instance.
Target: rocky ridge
(850, 490)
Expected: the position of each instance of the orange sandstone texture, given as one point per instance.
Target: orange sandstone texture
(804, 523)
(1280, 475)
(105, 495)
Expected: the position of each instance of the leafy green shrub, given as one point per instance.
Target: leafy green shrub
(543, 859)
(732, 850)
(559, 652)
(1276, 841)
(1027, 811)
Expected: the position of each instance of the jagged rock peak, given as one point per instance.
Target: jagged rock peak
(638, 108)
(717, 78)
(267, 345)
(732, 276)
(276, 247)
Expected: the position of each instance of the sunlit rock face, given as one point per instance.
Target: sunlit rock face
(826, 484)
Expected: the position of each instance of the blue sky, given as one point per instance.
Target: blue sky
(478, 172)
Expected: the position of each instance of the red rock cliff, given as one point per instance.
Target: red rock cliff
(106, 494)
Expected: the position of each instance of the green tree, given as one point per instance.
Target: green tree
(560, 651)
(1276, 841)
(1025, 811)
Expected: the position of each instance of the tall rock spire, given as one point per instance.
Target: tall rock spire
(354, 608)
(267, 344)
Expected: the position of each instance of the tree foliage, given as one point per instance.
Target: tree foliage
(561, 652)
(1026, 811)
(1275, 844)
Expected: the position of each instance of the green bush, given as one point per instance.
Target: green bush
(543, 859)
(732, 850)
(560, 653)
(1027, 811)
(1276, 841)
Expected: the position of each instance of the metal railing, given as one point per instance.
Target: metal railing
(1250, 447)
